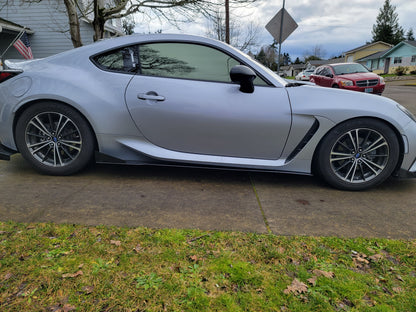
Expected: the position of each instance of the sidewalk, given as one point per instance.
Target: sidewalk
(401, 80)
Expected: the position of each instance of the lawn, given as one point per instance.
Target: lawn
(48, 267)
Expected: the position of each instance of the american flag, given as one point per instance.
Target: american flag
(23, 46)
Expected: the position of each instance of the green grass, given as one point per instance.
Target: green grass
(47, 267)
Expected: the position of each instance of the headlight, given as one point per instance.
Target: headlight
(407, 112)
(346, 83)
(381, 80)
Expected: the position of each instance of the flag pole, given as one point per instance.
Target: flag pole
(19, 35)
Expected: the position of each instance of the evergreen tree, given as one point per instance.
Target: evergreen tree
(409, 35)
(297, 61)
(387, 26)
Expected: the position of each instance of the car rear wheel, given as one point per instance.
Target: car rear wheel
(54, 138)
(358, 154)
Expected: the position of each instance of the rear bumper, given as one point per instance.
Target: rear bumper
(5, 152)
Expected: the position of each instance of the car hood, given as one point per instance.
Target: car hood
(359, 76)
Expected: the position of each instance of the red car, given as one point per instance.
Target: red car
(350, 76)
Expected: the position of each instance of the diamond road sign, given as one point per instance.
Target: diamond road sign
(274, 26)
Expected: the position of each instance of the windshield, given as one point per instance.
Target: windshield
(344, 69)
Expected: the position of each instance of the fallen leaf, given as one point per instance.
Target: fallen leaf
(88, 289)
(313, 280)
(323, 273)
(281, 250)
(297, 287)
(397, 289)
(7, 276)
(376, 258)
(385, 289)
(72, 275)
(115, 242)
(68, 308)
(138, 248)
(194, 258)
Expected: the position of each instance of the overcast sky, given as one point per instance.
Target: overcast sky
(334, 25)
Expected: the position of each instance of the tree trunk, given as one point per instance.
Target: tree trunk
(99, 20)
(227, 21)
(73, 23)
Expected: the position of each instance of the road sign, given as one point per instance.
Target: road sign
(275, 25)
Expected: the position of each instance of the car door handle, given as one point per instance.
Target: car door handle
(152, 96)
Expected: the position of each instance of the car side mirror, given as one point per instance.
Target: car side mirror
(244, 76)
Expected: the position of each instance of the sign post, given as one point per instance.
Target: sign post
(280, 27)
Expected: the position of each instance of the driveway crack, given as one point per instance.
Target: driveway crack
(266, 223)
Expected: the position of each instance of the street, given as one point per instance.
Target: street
(160, 197)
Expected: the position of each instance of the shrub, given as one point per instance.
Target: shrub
(401, 70)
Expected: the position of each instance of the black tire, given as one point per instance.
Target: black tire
(54, 138)
(358, 154)
(335, 86)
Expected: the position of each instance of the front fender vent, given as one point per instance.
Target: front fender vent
(304, 141)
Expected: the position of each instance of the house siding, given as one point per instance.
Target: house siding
(403, 53)
(49, 21)
(352, 56)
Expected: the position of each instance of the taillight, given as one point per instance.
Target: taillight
(4, 75)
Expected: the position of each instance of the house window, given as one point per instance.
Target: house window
(398, 60)
(413, 59)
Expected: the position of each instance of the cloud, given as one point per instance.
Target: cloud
(337, 26)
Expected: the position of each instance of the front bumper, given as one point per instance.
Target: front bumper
(378, 89)
(5, 152)
(405, 174)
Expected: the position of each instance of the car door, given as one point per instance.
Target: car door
(316, 76)
(182, 99)
(326, 79)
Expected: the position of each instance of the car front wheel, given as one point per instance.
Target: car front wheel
(358, 154)
(54, 138)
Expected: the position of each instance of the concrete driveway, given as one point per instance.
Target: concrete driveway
(161, 197)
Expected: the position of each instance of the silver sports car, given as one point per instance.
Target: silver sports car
(187, 100)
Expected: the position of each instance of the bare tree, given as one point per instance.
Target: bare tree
(73, 20)
(230, 31)
(316, 53)
(98, 12)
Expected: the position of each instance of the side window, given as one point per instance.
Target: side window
(325, 71)
(318, 71)
(120, 60)
(185, 60)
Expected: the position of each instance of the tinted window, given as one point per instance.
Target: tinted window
(318, 71)
(325, 71)
(184, 60)
(180, 60)
(343, 69)
(121, 60)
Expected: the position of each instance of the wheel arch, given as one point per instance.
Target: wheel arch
(23, 107)
(390, 125)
